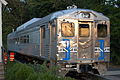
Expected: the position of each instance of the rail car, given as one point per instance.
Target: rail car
(75, 39)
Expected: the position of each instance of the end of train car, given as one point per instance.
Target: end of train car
(75, 39)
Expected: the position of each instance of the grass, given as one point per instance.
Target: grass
(18, 71)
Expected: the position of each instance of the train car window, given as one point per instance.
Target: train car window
(21, 39)
(24, 39)
(84, 30)
(68, 29)
(18, 40)
(102, 30)
(15, 40)
(27, 41)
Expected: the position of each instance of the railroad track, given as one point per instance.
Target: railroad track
(85, 76)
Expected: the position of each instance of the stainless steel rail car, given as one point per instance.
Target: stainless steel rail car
(76, 39)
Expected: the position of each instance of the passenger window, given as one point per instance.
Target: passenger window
(84, 30)
(21, 39)
(27, 38)
(68, 29)
(102, 30)
(24, 39)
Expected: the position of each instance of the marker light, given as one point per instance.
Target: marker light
(85, 15)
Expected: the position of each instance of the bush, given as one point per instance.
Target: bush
(18, 71)
(33, 76)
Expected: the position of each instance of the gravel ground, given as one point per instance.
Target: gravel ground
(113, 73)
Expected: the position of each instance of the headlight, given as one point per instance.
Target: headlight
(97, 54)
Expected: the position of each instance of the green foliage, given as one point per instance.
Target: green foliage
(33, 76)
(18, 71)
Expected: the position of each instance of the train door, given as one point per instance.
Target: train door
(42, 40)
(85, 41)
(53, 42)
(102, 43)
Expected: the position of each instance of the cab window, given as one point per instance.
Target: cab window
(68, 29)
(102, 30)
(84, 30)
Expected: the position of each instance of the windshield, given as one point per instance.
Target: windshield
(68, 29)
(102, 30)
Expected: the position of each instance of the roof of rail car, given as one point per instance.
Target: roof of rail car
(38, 21)
(27, 23)
(69, 11)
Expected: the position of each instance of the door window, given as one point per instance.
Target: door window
(84, 30)
(102, 30)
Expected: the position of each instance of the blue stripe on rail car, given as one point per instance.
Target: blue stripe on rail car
(101, 49)
(67, 53)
